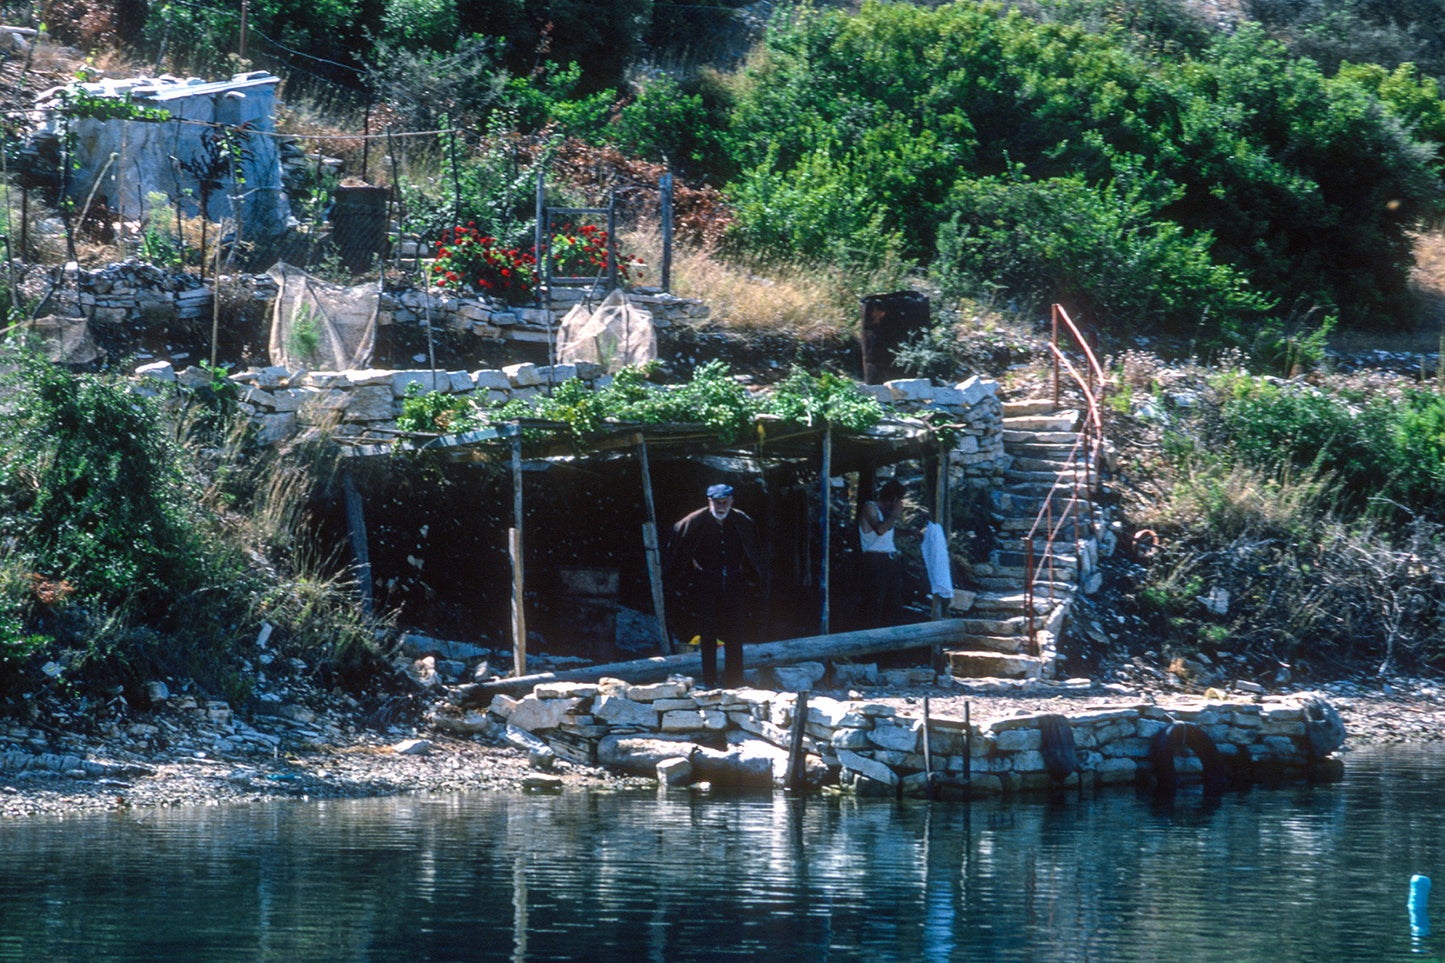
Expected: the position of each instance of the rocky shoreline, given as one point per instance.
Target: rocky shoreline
(199, 754)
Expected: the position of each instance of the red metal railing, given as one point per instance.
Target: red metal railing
(1079, 468)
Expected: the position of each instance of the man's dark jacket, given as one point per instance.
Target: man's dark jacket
(687, 538)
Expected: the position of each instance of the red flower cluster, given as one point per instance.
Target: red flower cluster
(583, 253)
(468, 259)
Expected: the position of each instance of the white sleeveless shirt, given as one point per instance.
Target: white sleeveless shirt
(871, 540)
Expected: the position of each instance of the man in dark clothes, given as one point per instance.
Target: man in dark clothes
(715, 549)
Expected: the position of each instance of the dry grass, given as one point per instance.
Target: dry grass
(1425, 332)
(804, 301)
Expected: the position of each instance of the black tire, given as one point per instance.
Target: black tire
(1179, 737)
(1060, 755)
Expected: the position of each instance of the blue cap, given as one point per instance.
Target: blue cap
(719, 491)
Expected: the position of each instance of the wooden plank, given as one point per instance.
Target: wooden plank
(816, 648)
(654, 575)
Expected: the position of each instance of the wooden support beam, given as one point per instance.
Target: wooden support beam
(356, 531)
(514, 547)
(652, 548)
(816, 648)
(519, 615)
(827, 514)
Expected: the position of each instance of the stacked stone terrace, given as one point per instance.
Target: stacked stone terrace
(743, 735)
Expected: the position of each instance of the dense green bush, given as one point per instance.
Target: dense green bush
(1102, 250)
(94, 491)
(1332, 32)
(1384, 455)
(131, 531)
(900, 120)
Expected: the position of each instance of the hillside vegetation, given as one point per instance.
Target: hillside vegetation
(1207, 188)
(1157, 172)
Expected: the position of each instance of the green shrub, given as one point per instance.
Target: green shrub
(664, 122)
(485, 188)
(1384, 455)
(436, 411)
(1104, 251)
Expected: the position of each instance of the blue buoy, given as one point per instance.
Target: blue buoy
(1418, 903)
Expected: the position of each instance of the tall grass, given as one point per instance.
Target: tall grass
(1262, 510)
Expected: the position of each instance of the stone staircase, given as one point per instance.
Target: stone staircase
(1039, 439)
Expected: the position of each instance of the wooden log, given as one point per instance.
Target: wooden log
(815, 648)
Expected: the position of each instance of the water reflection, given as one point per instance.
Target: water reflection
(1292, 874)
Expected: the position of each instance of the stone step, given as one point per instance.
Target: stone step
(1046, 479)
(1029, 406)
(1054, 466)
(1007, 644)
(1063, 502)
(1006, 585)
(1062, 530)
(1015, 575)
(1040, 439)
(982, 664)
(1063, 421)
(1010, 602)
(1015, 626)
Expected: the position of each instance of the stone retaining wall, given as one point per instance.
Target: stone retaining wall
(872, 747)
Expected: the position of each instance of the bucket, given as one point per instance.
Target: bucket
(888, 321)
(358, 222)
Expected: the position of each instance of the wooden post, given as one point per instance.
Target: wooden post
(666, 206)
(514, 546)
(652, 548)
(967, 753)
(356, 530)
(927, 753)
(941, 516)
(797, 778)
(612, 243)
(827, 522)
(519, 616)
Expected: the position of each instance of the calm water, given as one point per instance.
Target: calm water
(1316, 874)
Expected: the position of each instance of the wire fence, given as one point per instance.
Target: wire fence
(362, 202)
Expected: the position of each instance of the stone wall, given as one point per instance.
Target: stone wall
(872, 747)
(354, 404)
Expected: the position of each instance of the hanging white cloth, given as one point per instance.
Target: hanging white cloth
(935, 559)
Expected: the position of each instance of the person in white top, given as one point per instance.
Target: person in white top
(881, 583)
